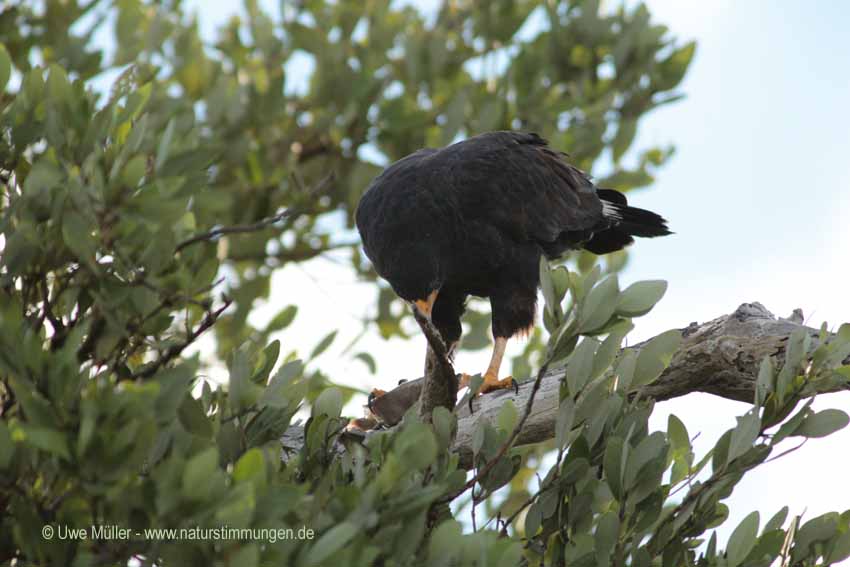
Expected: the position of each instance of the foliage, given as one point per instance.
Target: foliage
(610, 497)
(342, 87)
(206, 167)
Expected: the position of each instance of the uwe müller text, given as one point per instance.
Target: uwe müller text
(105, 532)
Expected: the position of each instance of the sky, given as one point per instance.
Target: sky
(758, 194)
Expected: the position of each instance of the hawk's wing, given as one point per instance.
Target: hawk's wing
(515, 182)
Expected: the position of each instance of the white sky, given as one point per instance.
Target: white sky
(757, 194)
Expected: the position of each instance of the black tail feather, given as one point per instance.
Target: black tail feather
(607, 241)
(627, 222)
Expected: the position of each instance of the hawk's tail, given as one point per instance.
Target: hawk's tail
(626, 222)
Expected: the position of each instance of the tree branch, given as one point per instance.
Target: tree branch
(719, 357)
(174, 351)
(253, 227)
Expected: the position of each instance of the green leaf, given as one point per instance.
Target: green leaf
(134, 171)
(744, 435)
(580, 366)
(323, 345)
(283, 319)
(640, 297)
(616, 453)
(625, 135)
(135, 103)
(610, 348)
(742, 540)
(368, 360)
(672, 69)
(599, 305)
(46, 439)
(822, 423)
(251, 467)
(654, 357)
(711, 549)
(237, 507)
(445, 426)
(533, 519)
(330, 542)
(164, 148)
(478, 435)
(328, 403)
(501, 474)
(5, 67)
(677, 433)
(280, 393)
(777, 520)
(817, 529)
(243, 393)
(607, 535)
(795, 350)
(840, 549)
(269, 359)
(547, 286)
(18, 251)
(455, 113)
(625, 370)
(564, 342)
(193, 418)
(307, 38)
(58, 87)
(410, 535)
(764, 383)
(199, 471)
(508, 417)
(78, 236)
(650, 448)
(445, 541)
(560, 282)
(186, 162)
(721, 449)
(564, 421)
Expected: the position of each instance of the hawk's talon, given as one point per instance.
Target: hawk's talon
(492, 383)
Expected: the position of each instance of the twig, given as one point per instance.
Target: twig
(254, 227)
(219, 231)
(294, 255)
(507, 522)
(786, 452)
(174, 351)
(785, 550)
(243, 413)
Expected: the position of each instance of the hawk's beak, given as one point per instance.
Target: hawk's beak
(425, 306)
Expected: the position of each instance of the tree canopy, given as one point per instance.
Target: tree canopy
(153, 183)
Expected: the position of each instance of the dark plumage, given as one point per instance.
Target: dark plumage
(474, 217)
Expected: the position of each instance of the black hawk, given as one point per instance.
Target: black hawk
(473, 218)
